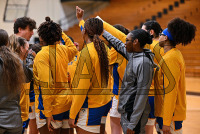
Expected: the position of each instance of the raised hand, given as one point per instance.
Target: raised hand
(79, 13)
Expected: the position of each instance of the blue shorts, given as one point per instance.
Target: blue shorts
(61, 120)
(151, 103)
(95, 114)
(57, 117)
(175, 125)
(90, 119)
(31, 112)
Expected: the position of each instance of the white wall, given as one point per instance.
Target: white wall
(38, 10)
(6, 26)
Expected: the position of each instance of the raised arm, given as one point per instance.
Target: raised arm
(172, 72)
(72, 51)
(114, 31)
(117, 44)
(80, 86)
(43, 80)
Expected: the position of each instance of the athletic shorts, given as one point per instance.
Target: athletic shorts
(175, 126)
(90, 119)
(25, 126)
(114, 109)
(32, 112)
(151, 118)
(61, 120)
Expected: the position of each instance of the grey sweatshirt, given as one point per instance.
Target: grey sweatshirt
(133, 98)
(10, 112)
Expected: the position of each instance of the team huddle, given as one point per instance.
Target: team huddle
(137, 76)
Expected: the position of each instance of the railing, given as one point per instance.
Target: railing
(16, 9)
(70, 18)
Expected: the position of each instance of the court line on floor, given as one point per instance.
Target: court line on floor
(193, 93)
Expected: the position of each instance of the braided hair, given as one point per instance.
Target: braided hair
(50, 31)
(94, 28)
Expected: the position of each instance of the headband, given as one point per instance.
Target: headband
(168, 34)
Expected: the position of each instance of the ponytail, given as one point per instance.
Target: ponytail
(103, 59)
(94, 28)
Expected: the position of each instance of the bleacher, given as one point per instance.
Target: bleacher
(133, 13)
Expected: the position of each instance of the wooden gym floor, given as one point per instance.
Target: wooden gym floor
(191, 124)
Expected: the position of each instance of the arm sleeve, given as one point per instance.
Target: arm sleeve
(24, 101)
(117, 44)
(144, 79)
(78, 99)
(72, 51)
(171, 88)
(81, 24)
(115, 57)
(29, 60)
(80, 85)
(115, 32)
(79, 91)
(28, 73)
(45, 80)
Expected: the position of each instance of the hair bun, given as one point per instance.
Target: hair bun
(48, 18)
